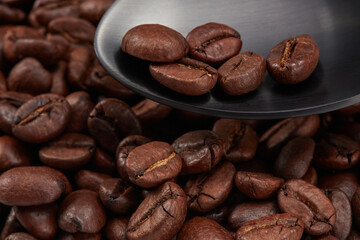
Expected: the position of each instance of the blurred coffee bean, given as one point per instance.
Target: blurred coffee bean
(9, 15)
(29, 186)
(20, 236)
(345, 181)
(79, 236)
(150, 112)
(103, 162)
(116, 229)
(59, 84)
(355, 204)
(218, 214)
(79, 60)
(81, 211)
(93, 10)
(311, 176)
(309, 127)
(351, 110)
(81, 106)
(13, 153)
(11, 225)
(89, 179)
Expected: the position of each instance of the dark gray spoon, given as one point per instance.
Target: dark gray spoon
(335, 25)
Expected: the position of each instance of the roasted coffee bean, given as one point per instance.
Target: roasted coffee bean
(275, 136)
(213, 43)
(81, 106)
(90, 180)
(118, 196)
(110, 120)
(154, 42)
(74, 29)
(240, 140)
(162, 208)
(103, 162)
(310, 204)
(44, 11)
(207, 191)
(13, 153)
(93, 10)
(200, 150)
(348, 111)
(354, 235)
(59, 83)
(123, 150)
(186, 76)
(341, 203)
(9, 103)
(78, 66)
(295, 157)
(30, 186)
(149, 112)
(346, 182)
(20, 236)
(336, 152)
(278, 226)
(309, 127)
(29, 76)
(293, 60)
(79, 236)
(41, 119)
(40, 221)
(257, 185)
(311, 176)
(355, 204)
(116, 229)
(70, 151)
(81, 211)
(153, 163)
(242, 73)
(9, 15)
(200, 228)
(218, 214)
(11, 225)
(248, 211)
(100, 81)
(3, 83)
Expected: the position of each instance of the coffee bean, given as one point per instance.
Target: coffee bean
(309, 127)
(277, 226)
(11, 225)
(200, 150)
(186, 76)
(153, 163)
(103, 162)
(309, 203)
(295, 158)
(20, 236)
(81, 106)
(207, 191)
(78, 66)
(118, 196)
(199, 228)
(293, 60)
(89, 179)
(3, 83)
(29, 76)
(341, 203)
(149, 112)
(9, 15)
(248, 211)
(242, 73)
(311, 176)
(59, 83)
(257, 185)
(110, 120)
(240, 140)
(42, 118)
(79, 236)
(355, 204)
(13, 153)
(81, 211)
(213, 43)
(351, 110)
(93, 10)
(354, 235)
(116, 229)
(218, 214)
(154, 42)
(30, 186)
(162, 208)
(70, 151)
(336, 152)
(346, 182)
(40, 221)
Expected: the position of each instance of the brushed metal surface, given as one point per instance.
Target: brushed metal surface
(335, 25)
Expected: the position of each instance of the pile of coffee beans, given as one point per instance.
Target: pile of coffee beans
(82, 157)
(210, 55)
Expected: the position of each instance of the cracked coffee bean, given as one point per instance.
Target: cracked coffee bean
(187, 76)
(32, 186)
(213, 43)
(207, 191)
(154, 42)
(242, 73)
(162, 208)
(293, 60)
(70, 151)
(200, 228)
(257, 185)
(200, 150)
(81, 211)
(41, 119)
(310, 204)
(336, 152)
(278, 226)
(240, 140)
(153, 163)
